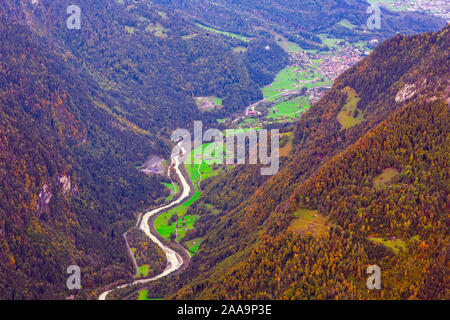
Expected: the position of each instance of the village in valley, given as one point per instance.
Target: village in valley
(302, 83)
(311, 72)
(439, 8)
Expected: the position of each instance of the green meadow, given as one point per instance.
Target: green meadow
(396, 245)
(291, 108)
(227, 34)
(193, 245)
(143, 270)
(385, 177)
(197, 173)
(283, 81)
(174, 190)
(143, 295)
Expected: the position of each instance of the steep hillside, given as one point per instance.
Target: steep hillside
(61, 158)
(147, 60)
(301, 22)
(311, 230)
(81, 110)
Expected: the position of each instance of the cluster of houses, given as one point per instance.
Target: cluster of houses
(436, 7)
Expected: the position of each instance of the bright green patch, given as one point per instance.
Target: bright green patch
(394, 244)
(283, 82)
(143, 270)
(227, 34)
(174, 188)
(193, 245)
(197, 173)
(290, 109)
(143, 295)
(285, 44)
(240, 50)
(292, 79)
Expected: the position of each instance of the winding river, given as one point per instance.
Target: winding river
(174, 260)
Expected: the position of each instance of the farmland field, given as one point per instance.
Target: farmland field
(291, 108)
(197, 173)
(396, 245)
(143, 270)
(193, 245)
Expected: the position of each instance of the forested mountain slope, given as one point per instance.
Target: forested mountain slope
(157, 60)
(363, 187)
(80, 110)
(61, 161)
(302, 21)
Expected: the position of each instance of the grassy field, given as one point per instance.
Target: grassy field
(196, 172)
(289, 109)
(193, 245)
(283, 81)
(143, 295)
(396, 245)
(174, 190)
(285, 44)
(385, 177)
(143, 270)
(157, 30)
(227, 34)
(330, 42)
(292, 79)
(390, 4)
(346, 116)
(309, 222)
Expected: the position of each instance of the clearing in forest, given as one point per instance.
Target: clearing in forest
(385, 177)
(350, 115)
(309, 222)
(289, 109)
(193, 245)
(227, 34)
(143, 271)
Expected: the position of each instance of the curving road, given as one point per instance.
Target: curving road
(174, 260)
